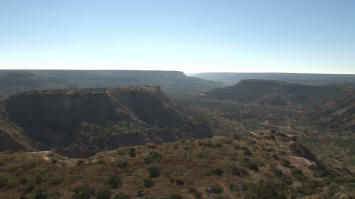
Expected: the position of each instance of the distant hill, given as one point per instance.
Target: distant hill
(174, 83)
(299, 78)
(277, 93)
(16, 82)
(84, 121)
(339, 114)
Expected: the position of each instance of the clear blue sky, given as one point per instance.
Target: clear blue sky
(310, 36)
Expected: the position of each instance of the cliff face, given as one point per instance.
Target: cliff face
(96, 119)
(12, 137)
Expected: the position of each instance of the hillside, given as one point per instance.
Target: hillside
(340, 114)
(80, 122)
(277, 93)
(321, 116)
(16, 82)
(298, 78)
(174, 83)
(261, 165)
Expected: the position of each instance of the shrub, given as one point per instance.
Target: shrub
(247, 152)
(196, 193)
(276, 157)
(252, 166)
(298, 174)
(132, 152)
(152, 157)
(56, 179)
(103, 193)
(226, 140)
(40, 175)
(236, 136)
(54, 161)
(215, 189)
(45, 195)
(3, 181)
(216, 171)
(40, 195)
(309, 187)
(30, 186)
(275, 170)
(179, 182)
(175, 196)
(82, 192)
(122, 162)
(79, 162)
(221, 197)
(154, 171)
(148, 182)
(234, 187)
(122, 196)
(267, 190)
(286, 163)
(211, 144)
(113, 181)
(238, 147)
(236, 171)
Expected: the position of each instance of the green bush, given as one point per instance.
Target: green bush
(80, 162)
(175, 196)
(286, 163)
(267, 190)
(234, 187)
(122, 162)
(114, 181)
(215, 171)
(196, 193)
(298, 174)
(310, 187)
(252, 166)
(226, 140)
(211, 144)
(276, 157)
(154, 171)
(103, 193)
(236, 171)
(3, 180)
(148, 182)
(132, 152)
(56, 179)
(40, 195)
(152, 157)
(215, 189)
(179, 182)
(238, 147)
(247, 152)
(82, 192)
(221, 197)
(275, 170)
(122, 196)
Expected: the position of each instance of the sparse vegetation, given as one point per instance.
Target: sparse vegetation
(148, 182)
(114, 181)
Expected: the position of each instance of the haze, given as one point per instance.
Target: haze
(193, 36)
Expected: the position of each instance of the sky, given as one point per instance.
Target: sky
(301, 36)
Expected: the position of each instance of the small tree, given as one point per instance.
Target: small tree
(114, 181)
(154, 171)
(103, 193)
(122, 162)
(148, 182)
